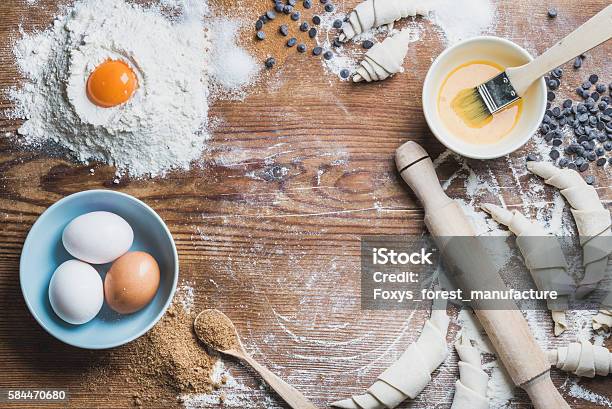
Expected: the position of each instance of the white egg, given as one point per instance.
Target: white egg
(98, 237)
(76, 292)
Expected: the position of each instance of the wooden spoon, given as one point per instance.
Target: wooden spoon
(291, 395)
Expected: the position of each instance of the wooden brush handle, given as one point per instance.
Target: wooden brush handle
(592, 33)
(507, 329)
(292, 396)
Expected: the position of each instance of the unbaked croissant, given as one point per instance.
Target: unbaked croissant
(471, 387)
(543, 257)
(375, 13)
(603, 320)
(592, 219)
(409, 375)
(582, 359)
(384, 59)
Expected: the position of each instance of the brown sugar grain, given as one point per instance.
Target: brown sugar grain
(216, 330)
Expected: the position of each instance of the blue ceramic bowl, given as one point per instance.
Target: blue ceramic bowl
(43, 252)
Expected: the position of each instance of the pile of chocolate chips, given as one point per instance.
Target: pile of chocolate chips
(589, 119)
(288, 7)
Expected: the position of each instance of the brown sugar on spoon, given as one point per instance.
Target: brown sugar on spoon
(215, 329)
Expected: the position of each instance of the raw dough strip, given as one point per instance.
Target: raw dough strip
(592, 219)
(603, 320)
(471, 387)
(409, 375)
(384, 59)
(582, 359)
(375, 13)
(543, 257)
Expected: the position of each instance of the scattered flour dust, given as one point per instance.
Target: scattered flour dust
(231, 394)
(574, 389)
(461, 19)
(185, 295)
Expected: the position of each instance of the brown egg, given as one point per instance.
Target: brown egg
(131, 282)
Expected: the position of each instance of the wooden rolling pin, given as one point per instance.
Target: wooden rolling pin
(508, 330)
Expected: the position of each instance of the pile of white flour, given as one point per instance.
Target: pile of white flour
(162, 127)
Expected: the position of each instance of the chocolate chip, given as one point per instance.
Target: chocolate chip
(589, 179)
(260, 35)
(304, 26)
(317, 51)
(563, 162)
(593, 78)
(552, 12)
(307, 4)
(316, 20)
(337, 23)
(270, 14)
(567, 103)
(577, 62)
(301, 48)
(344, 73)
(329, 7)
(583, 167)
(312, 33)
(295, 16)
(269, 63)
(554, 154)
(328, 55)
(259, 25)
(550, 96)
(291, 42)
(284, 30)
(367, 44)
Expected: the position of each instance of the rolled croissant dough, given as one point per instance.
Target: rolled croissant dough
(582, 359)
(375, 13)
(471, 387)
(409, 375)
(384, 59)
(543, 257)
(592, 220)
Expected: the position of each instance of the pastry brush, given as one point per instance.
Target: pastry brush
(477, 104)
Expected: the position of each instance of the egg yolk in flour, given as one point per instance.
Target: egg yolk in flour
(112, 83)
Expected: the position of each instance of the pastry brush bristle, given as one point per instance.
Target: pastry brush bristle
(469, 106)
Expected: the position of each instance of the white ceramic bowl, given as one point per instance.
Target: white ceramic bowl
(504, 53)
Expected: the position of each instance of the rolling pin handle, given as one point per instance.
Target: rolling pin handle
(417, 170)
(544, 394)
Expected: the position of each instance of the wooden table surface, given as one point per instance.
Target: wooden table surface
(268, 227)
